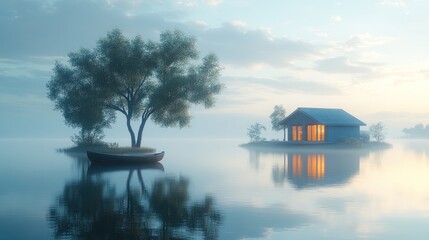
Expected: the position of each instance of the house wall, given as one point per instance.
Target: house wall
(299, 119)
(333, 133)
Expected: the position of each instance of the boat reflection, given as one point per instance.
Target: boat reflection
(95, 169)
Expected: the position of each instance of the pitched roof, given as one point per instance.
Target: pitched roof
(328, 116)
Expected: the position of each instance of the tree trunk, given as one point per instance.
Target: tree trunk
(140, 132)
(130, 129)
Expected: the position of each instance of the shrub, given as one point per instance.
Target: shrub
(364, 137)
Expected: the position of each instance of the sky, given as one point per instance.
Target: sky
(369, 57)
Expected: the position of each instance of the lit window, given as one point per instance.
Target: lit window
(294, 133)
(297, 133)
(316, 133)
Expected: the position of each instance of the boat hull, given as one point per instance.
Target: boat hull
(105, 158)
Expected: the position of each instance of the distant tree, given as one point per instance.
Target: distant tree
(418, 131)
(142, 80)
(254, 132)
(278, 115)
(377, 132)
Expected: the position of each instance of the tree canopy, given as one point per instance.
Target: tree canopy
(418, 131)
(75, 97)
(377, 132)
(141, 80)
(278, 115)
(254, 132)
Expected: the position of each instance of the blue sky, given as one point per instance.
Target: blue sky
(369, 57)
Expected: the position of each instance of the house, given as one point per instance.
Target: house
(317, 125)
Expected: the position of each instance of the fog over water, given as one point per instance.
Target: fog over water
(251, 193)
(367, 57)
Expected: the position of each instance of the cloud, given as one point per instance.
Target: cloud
(27, 67)
(342, 65)
(397, 3)
(243, 47)
(195, 3)
(252, 95)
(29, 28)
(213, 2)
(288, 84)
(201, 23)
(239, 24)
(364, 40)
(336, 19)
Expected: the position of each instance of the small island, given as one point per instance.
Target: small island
(139, 80)
(347, 144)
(322, 128)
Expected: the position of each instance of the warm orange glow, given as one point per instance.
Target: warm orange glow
(322, 132)
(316, 132)
(296, 164)
(297, 133)
(309, 133)
(316, 166)
(293, 133)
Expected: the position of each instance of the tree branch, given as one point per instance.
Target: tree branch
(147, 112)
(143, 81)
(122, 110)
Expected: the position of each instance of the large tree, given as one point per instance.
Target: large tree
(142, 80)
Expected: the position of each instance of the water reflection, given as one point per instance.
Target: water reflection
(304, 168)
(96, 169)
(93, 207)
(419, 146)
(321, 168)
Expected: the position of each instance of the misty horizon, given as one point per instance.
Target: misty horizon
(332, 59)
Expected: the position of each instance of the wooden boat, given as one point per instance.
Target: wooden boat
(124, 158)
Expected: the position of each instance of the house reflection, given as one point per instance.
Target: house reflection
(311, 169)
(315, 165)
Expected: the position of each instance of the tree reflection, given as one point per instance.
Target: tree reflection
(91, 208)
(279, 172)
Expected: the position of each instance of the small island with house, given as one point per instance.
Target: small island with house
(322, 128)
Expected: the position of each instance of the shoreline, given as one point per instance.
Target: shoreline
(284, 145)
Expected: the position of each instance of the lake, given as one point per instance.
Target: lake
(214, 189)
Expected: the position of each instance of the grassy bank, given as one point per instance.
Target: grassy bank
(105, 148)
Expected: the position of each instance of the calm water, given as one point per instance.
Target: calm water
(216, 190)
